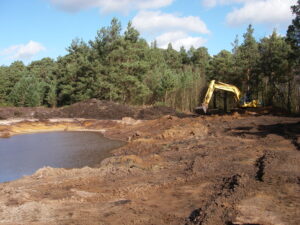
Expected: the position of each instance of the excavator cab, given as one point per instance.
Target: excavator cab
(247, 97)
(248, 102)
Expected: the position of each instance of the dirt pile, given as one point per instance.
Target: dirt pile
(97, 109)
(24, 112)
(90, 109)
(155, 112)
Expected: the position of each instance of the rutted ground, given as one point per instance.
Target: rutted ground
(194, 170)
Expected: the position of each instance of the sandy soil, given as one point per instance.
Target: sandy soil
(231, 169)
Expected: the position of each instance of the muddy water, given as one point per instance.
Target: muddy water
(23, 154)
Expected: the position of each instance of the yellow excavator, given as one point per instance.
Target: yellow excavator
(226, 87)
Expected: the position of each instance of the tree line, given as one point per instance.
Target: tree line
(123, 67)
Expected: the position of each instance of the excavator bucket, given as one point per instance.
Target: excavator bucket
(201, 109)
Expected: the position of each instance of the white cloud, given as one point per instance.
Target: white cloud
(170, 28)
(214, 3)
(209, 3)
(276, 12)
(123, 6)
(23, 51)
(179, 39)
(154, 21)
(263, 11)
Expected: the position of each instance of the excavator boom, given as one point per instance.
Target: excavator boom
(225, 87)
(222, 86)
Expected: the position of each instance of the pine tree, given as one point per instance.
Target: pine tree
(274, 64)
(28, 91)
(247, 57)
(221, 69)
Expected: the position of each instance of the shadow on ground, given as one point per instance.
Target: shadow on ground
(290, 131)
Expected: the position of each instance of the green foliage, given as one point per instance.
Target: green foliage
(131, 34)
(51, 96)
(293, 33)
(184, 56)
(28, 91)
(200, 57)
(246, 59)
(221, 67)
(274, 65)
(76, 74)
(293, 38)
(122, 67)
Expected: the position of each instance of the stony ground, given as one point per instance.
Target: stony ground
(231, 169)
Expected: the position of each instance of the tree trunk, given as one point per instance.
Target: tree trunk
(225, 101)
(289, 108)
(166, 94)
(248, 80)
(215, 100)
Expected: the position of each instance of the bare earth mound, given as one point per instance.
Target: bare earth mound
(206, 170)
(90, 109)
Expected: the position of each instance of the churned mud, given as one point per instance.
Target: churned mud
(231, 169)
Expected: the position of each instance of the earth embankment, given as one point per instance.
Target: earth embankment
(89, 109)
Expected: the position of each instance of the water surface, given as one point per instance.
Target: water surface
(24, 154)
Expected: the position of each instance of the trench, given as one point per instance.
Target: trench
(22, 155)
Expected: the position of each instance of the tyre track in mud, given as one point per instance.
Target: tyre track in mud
(260, 165)
(221, 207)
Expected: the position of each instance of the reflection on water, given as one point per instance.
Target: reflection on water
(23, 154)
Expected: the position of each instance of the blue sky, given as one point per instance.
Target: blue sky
(33, 29)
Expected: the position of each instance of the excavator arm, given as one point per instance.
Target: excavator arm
(222, 86)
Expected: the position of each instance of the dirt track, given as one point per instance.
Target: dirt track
(203, 170)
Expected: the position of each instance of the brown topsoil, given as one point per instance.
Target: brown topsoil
(174, 169)
(90, 109)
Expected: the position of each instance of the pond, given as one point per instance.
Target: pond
(24, 154)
